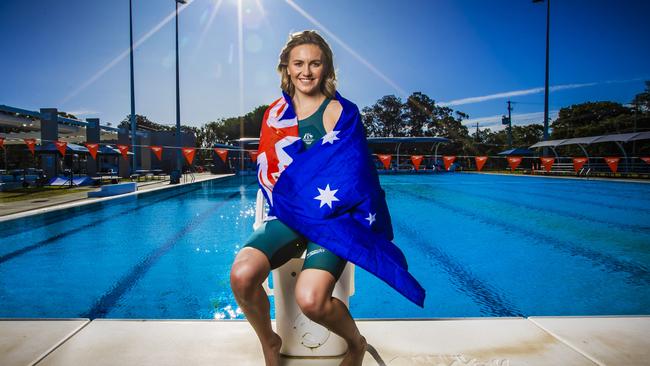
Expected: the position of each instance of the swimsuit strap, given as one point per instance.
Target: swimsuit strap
(319, 111)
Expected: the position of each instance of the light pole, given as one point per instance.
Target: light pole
(179, 162)
(548, 25)
(132, 87)
(508, 121)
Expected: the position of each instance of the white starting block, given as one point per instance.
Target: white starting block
(300, 335)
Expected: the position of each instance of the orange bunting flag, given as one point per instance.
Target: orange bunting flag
(514, 162)
(612, 162)
(223, 154)
(2, 142)
(157, 150)
(385, 159)
(253, 155)
(188, 152)
(61, 146)
(92, 149)
(31, 144)
(480, 161)
(578, 163)
(548, 163)
(416, 160)
(448, 160)
(646, 159)
(124, 149)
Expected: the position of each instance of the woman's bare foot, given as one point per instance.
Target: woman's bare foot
(354, 356)
(272, 351)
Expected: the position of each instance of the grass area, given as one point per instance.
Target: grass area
(35, 193)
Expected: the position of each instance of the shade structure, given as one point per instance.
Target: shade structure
(517, 151)
(50, 147)
(619, 137)
(110, 150)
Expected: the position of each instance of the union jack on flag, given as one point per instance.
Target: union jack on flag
(279, 132)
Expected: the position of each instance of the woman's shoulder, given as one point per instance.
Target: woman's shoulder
(334, 106)
(332, 114)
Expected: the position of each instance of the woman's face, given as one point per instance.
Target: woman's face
(306, 68)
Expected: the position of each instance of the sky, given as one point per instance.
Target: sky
(472, 56)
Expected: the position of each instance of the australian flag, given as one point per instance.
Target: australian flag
(331, 194)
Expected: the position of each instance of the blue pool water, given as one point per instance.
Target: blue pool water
(481, 245)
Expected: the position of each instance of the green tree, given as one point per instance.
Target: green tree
(592, 119)
(601, 118)
(641, 101)
(419, 114)
(385, 118)
(143, 123)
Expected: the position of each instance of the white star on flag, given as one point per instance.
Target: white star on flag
(326, 196)
(330, 137)
(371, 218)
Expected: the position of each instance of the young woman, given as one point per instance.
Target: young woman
(308, 77)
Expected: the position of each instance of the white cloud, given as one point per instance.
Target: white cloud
(494, 122)
(83, 112)
(123, 55)
(516, 93)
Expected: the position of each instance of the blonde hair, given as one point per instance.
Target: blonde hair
(328, 84)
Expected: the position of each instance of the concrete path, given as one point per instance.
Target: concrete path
(462, 341)
(13, 210)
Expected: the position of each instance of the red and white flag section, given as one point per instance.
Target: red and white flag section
(61, 146)
(480, 161)
(385, 159)
(157, 150)
(578, 163)
(188, 152)
(548, 163)
(92, 149)
(448, 160)
(223, 154)
(612, 162)
(514, 162)
(124, 149)
(416, 160)
(31, 144)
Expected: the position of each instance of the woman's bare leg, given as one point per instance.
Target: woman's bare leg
(314, 296)
(248, 271)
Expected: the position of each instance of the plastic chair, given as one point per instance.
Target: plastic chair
(300, 335)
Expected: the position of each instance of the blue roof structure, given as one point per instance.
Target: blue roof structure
(51, 147)
(517, 151)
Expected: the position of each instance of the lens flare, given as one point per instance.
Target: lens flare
(125, 53)
(354, 53)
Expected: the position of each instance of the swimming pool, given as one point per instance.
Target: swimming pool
(481, 245)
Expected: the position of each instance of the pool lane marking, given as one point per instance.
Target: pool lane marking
(515, 181)
(639, 274)
(598, 204)
(109, 299)
(499, 188)
(53, 239)
(517, 204)
(486, 296)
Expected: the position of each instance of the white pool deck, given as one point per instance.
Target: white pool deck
(593, 340)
